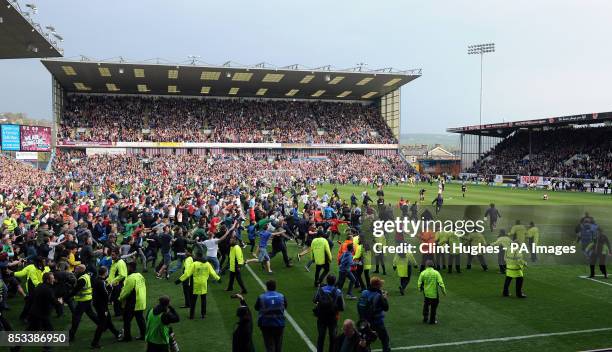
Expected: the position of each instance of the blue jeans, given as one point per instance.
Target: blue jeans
(215, 263)
(179, 263)
(343, 276)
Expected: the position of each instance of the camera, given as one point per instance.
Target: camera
(365, 331)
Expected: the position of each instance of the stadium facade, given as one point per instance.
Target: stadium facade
(261, 82)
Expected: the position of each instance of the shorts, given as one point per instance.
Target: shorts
(167, 258)
(263, 255)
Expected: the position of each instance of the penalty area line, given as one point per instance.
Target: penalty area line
(498, 339)
(592, 279)
(292, 321)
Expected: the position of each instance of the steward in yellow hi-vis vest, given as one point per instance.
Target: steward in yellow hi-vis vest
(533, 238)
(82, 295)
(200, 270)
(134, 296)
(514, 270)
(236, 263)
(187, 284)
(32, 275)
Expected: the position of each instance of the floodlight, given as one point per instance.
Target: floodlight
(33, 8)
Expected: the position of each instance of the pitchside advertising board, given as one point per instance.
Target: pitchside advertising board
(25, 138)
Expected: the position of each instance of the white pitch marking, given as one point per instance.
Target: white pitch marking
(498, 339)
(591, 279)
(297, 328)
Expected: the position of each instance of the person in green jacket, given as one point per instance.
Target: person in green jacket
(503, 242)
(518, 232)
(474, 240)
(454, 255)
(402, 265)
(130, 227)
(429, 282)
(200, 270)
(159, 331)
(441, 238)
(134, 296)
(187, 284)
(33, 276)
(533, 236)
(514, 270)
(321, 254)
(117, 274)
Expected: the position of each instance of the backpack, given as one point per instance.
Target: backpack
(326, 304)
(365, 305)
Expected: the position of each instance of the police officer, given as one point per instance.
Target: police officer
(82, 294)
(271, 306)
(514, 270)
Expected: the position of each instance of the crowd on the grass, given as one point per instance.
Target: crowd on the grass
(82, 239)
(566, 152)
(130, 119)
(205, 169)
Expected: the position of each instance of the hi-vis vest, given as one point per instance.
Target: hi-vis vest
(85, 293)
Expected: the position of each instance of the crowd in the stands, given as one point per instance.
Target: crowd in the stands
(566, 152)
(135, 119)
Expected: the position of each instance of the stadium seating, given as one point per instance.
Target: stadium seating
(133, 119)
(568, 152)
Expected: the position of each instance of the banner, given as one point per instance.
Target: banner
(26, 155)
(35, 138)
(108, 151)
(529, 180)
(10, 137)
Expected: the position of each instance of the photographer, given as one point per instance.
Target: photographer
(329, 303)
(242, 338)
(372, 306)
(158, 333)
(354, 340)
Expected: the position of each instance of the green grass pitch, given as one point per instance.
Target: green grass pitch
(559, 301)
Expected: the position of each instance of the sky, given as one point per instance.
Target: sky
(552, 57)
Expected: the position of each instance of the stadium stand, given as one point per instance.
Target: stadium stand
(567, 152)
(137, 119)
